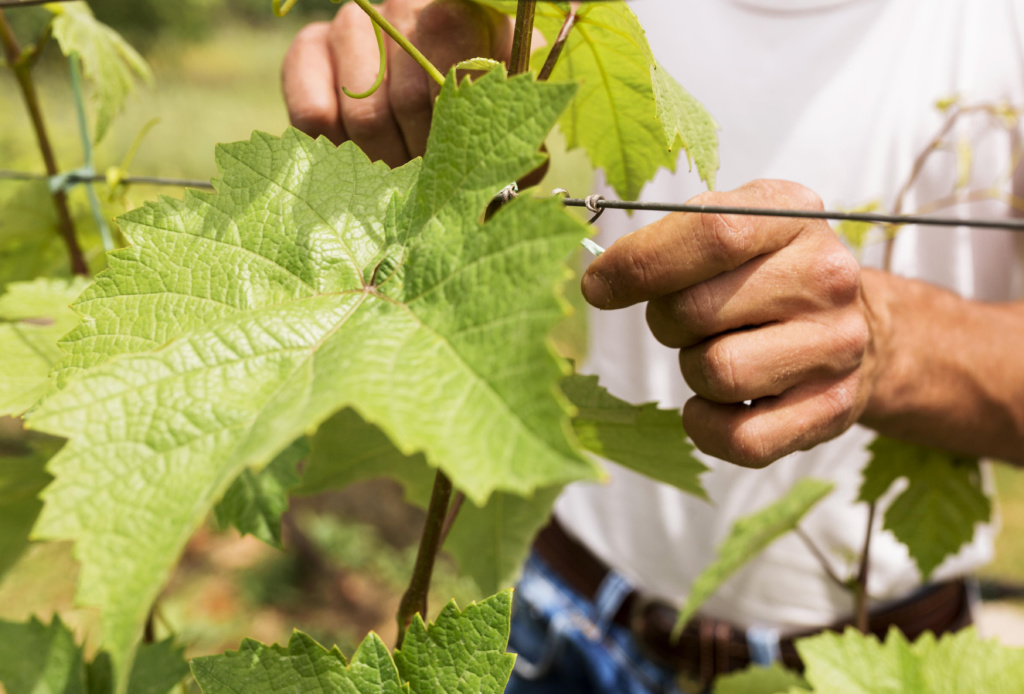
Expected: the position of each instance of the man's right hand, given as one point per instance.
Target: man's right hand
(391, 125)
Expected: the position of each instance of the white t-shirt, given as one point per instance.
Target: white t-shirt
(838, 95)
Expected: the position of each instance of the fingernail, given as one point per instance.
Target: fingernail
(596, 290)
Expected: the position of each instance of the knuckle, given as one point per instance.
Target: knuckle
(349, 14)
(317, 115)
(853, 336)
(837, 403)
(725, 243)
(717, 373)
(836, 276)
(747, 445)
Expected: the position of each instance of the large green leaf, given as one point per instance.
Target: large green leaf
(44, 659)
(460, 652)
(255, 502)
(22, 477)
(642, 438)
(33, 317)
(313, 281)
(852, 663)
(936, 514)
(109, 61)
(750, 536)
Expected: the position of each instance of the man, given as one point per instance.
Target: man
(839, 95)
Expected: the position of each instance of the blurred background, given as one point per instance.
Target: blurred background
(348, 555)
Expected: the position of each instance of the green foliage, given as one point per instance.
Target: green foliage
(256, 500)
(491, 543)
(630, 114)
(775, 679)
(41, 659)
(109, 62)
(326, 282)
(643, 438)
(22, 477)
(936, 514)
(33, 317)
(853, 663)
(460, 652)
(305, 666)
(749, 537)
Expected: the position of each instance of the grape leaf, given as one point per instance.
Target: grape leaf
(687, 122)
(347, 449)
(750, 535)
(256, 500)
(756, 679)
(305, 666)
(311, 281)
(629, 114)
(30, 243)
(108, 61)
(936, 514)
(40, 659)
(642, 438)
(490, 543)
(33, 317)
(22, 477)
(461, 651)
(852, 663)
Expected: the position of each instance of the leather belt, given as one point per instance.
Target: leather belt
(709, 647)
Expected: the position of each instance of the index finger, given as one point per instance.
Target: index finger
(684, 249)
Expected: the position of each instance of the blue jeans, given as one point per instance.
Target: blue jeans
(567, 643)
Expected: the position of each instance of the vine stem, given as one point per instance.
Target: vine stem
(23, 73)
(820, 556)
(558, 47)
(453, 514)
(860, 596)
(406, 45)
(522, 38)
(414, 601)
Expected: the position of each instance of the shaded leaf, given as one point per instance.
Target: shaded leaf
(490, 543)
(35, 658)
(256, 500)
(22, 477)
(640, 437)
(109, 62)
(750, 536)
(936, 514)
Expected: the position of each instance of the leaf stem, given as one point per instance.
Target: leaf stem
(414, 601)
(822, 559)
(453, 514)
(23, 73)
(522, 39)
(406, 45)
(861, 583)
(558, 47)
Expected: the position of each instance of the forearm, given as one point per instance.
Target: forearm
(948, 372)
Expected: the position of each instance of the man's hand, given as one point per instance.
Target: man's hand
(392, 125)
(762, 309)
